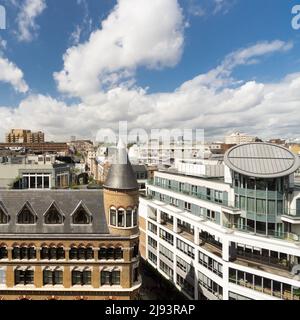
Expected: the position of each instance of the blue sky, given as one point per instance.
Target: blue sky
(94, 85)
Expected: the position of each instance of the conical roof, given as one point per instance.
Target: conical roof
(121, 175)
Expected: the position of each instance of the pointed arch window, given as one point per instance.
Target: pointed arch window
(81, 215)
(26, 215)
(53, 215)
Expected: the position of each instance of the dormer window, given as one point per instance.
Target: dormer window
(81, 215)
(3, 215)
(26, 215)
(53, 215)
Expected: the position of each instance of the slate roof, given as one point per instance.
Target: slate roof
(66, 201)
(262, 160)
(121, 175)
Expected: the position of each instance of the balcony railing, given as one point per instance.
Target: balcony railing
(193, 194)
(271, 233)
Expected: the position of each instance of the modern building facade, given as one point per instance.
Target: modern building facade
(238, 138)
(71, 244)
(234, 236)
(24, 136)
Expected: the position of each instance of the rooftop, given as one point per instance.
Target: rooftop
(66, 201)
(261, 160)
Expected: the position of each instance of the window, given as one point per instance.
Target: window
(53, 216)
(185, 248)
(44, 253)
(89, 253)
(52, 277)
(81, 216)
(2, 276)
(105, 278)
(73, 253)
(118, 253)
(113, 217)
(166, 252)
(110, 253)
(168, 237)
(166, 269)
(3, 252)
(116, 278)
(152, 257)
(102, 253)
(135, 251)
(16, 253)
(135, 274)
(110, 277)
(24, 276)
(26, 216)
(81, 277)
(129, 218)
(152, 243)
(121, 218)
(3, 217)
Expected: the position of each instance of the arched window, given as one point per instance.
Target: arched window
(53, 215)
(118, 253)
(3, 252)
(45, 253)
(113, 216)
(73, 253)
(135, 217)
(121, 218)
(129, 217)
(81, 216)
(26, 215)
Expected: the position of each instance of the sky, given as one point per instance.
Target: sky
(74, 67)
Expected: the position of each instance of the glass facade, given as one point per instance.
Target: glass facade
(263, 201)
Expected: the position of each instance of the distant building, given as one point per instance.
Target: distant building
(60, 148)
(24, 136)
(34, 172)
(239, 138)
(219, 147)
(277, 141)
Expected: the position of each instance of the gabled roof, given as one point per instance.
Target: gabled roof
(65, 200)
(261, 160)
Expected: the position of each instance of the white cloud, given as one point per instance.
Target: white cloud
(26, 19)
(11, 74)
(136, 33)
(221, 75)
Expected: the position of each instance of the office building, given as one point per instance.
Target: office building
(231, 234)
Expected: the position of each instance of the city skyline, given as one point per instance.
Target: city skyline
(192, 70)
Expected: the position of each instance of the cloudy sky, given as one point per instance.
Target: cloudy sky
(73, 67)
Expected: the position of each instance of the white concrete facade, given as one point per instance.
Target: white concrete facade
(217, 270)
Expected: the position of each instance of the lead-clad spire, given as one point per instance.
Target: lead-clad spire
(121, 175)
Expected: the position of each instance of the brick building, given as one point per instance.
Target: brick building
(71, 244)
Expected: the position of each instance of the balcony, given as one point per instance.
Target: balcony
(288, 236)
(196, 195)
(185, 232)
(208, 243)
(291, 216)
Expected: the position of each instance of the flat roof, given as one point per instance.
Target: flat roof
(261, 160)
